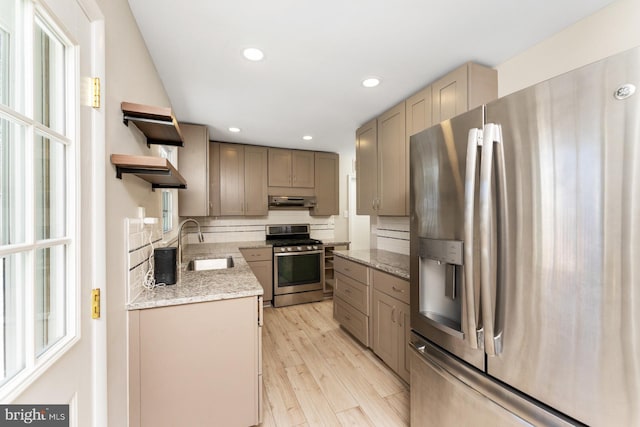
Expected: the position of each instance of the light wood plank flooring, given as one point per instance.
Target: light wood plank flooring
(315, 374)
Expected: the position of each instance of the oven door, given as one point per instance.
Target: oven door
(298, 272)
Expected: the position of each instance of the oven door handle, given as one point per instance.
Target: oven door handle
(298, 253)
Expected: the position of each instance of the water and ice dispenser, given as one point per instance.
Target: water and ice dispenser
(441, 281)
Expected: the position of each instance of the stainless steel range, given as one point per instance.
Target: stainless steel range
(298, 264)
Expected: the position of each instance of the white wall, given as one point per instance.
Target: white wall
(130, 76)
(611, 30)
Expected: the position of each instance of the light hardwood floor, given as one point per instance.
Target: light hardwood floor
(316, 374)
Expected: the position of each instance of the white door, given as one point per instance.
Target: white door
(52, 207)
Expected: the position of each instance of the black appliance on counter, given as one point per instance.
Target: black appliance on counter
(298, 264)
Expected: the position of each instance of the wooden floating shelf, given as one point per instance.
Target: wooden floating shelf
(158, 124)
(156, 170)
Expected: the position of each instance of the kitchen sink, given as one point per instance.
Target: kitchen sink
(211, 264)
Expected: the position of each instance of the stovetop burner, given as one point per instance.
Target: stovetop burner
(294, 236)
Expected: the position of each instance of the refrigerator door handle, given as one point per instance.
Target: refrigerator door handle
(487, 257)
(473, 141)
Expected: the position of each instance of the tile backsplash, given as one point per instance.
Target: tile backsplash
(141, 239)
(245, 229)
(391, 234)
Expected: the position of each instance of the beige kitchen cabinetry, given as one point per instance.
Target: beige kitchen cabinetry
(329, 271)
(242, 180)
(351, 298)
(390, 320)
(260, 260)
(193, 163)
(392, 188)
(381, 163)
(383, 147)
(463, 89)
(418, 118)
(326, 184)
(291, 168)
(194, 364)
(367, 168)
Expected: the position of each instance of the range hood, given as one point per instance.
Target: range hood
(292, 202)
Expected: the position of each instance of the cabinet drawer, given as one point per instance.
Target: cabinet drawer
(257, 254)
(352, 320)
(351, 269)
(391, 285)
(355, 293)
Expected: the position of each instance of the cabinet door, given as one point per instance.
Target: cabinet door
(263, 270)
(197, 360)
(392, 189)
(302, 169)
(214, 179)
(279, 167)
(385, 328)
(255, 181)
(450, 95)
(231, 179)
(418, 118)
(367, 168)
(193, 163)
(327, 186)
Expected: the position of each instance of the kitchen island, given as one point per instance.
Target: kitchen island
(195, 348)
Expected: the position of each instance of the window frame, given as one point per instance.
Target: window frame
(20, 110)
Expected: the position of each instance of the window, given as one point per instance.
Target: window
(37, 192)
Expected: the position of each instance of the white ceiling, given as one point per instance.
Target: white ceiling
(318, 52)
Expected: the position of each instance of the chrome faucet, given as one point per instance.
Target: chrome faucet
(200, 239)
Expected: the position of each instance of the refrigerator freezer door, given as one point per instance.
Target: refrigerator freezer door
(568, 276)
(439, 303)
(447, 393)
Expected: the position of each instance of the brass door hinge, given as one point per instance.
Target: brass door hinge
(95, 303)
(96, 92)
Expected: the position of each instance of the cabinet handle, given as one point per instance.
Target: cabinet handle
(397, 290)
(401, 319)
(347, 290)
(347, 317)
(393, 315)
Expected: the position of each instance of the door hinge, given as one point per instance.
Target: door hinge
(95, 303)
(96, 92)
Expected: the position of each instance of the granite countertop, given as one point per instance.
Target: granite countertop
(389, 262)
(211, 285)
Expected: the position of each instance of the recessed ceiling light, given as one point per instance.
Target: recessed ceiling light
(371, 82)
(232, 129)
(307, 137)
(253, 54)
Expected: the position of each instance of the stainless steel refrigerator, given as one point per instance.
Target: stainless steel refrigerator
(525, 256)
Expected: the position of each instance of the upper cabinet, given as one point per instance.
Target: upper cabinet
(255, 180)
(327, 184)
(242, 182)
(291, 168)
(383, 144)
(194, 166)
(418, 118)
(381, 156)
(463, 89)
(392, 188)
(367, 168)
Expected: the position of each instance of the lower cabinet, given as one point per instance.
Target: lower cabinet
(351, 305)
(390, 318)
(260, 260)
(196, 364)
